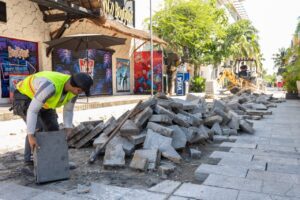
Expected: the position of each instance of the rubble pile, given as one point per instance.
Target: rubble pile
(163, 126)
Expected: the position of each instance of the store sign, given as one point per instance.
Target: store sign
(17, 52)
(113, 9)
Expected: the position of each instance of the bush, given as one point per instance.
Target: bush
(291, 76)
(198, 84)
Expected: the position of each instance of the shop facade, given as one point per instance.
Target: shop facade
(113, 68)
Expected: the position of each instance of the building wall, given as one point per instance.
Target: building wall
(121, 51)
(25, 22)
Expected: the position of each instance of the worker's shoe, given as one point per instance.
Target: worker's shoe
(28, 163)
(27, 171)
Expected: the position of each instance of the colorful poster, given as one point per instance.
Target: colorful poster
(16, 57)
(13, 80)
(97, 63)
(142, 72)
(123, 75)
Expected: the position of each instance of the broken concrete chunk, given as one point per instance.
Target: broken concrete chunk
(114, 156)
(235, 120)
(164, 119)
(224, 115)
(160, 129)
(181, 120)
(151, 155)
(129, 128)
(179, 137)
(128, 147)
(217, 129)
(137, 139)
(139, 162)
(143, 116)
(160, 110)
(164, 144)
(209, 121)
(195, 154)
(148, 103)
(166, 169)
(245, 126)
(229, 131)
(76, 130)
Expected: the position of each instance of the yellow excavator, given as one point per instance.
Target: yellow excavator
(234, 83)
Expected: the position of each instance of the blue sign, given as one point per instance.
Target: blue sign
(180, 84)
(186, 76)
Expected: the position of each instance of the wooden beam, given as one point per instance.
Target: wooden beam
(60, 17)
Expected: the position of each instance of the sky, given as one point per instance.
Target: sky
(276, 21)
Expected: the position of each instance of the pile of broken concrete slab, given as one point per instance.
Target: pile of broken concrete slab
(164, 126)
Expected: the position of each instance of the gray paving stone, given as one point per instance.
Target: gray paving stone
(165, 131)
(277, 188)
(114, 156)
(135, 194)
(244, 195)
(234, 156)
(233, 183)
(294, 191)
(51, 160)
(152, 156)
(165, 119)
(178, 137)
(48, 195)
(12, 191)
(276, 159)
(239, 145)
(143, 116)
(102, 192)
(217, 129)
(167, 186)
(273, 176)
(235, 171)
(261, 165)
(283, 168)
(205, 192)
(129, 128)
(276, 148)
(177, 198)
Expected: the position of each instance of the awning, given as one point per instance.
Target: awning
(132, 32)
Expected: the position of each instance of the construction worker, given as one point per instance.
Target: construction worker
(36, 98)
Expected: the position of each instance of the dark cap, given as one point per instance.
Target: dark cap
(83, 81)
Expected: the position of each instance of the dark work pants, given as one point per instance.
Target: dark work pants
(46, 121)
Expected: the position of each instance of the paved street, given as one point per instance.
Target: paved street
(263, 166)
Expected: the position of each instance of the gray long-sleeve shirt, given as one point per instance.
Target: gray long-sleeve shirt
(44, 90)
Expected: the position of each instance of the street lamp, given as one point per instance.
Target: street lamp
(151, 48)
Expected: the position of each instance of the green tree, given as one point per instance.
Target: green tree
(242, 42)
(193, 29)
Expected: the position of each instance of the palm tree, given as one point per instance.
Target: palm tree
(280, 59)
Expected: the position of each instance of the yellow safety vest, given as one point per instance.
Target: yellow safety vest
(57, 79)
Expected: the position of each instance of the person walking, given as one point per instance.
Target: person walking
(38, 95)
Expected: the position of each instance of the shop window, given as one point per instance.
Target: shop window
(3, 17)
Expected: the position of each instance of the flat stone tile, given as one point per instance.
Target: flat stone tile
(167, 186)
(244, 195)
(276, 148)
(177, 198)
(273, 176)
(12, 191)
(261, 165)
(51, 160)
(278, 188)
(268, 153)
(283, 168)
(294, 191)
(235, 156)
(239, 145)
(276, 159)
(254, 140)
(236, 171)
(233, 183)
(142, 194)
(206, 192)
(102, 192)
(48, 195)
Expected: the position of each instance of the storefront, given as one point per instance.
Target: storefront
(113, 68)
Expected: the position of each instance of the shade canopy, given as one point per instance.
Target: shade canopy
(84, 42)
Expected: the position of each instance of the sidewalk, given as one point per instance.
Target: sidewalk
(263, 166)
